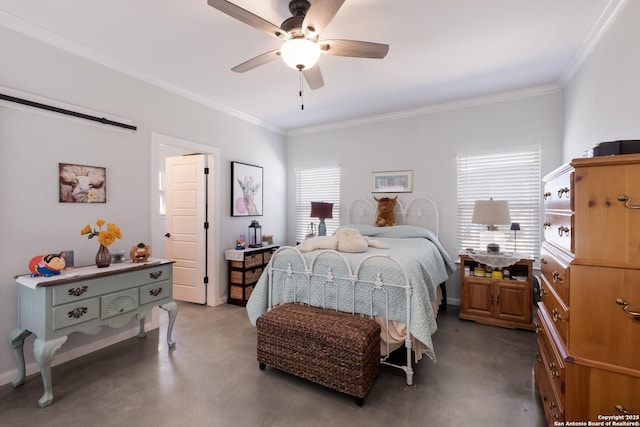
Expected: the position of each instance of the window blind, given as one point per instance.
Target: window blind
(320, 184)
(509, 175)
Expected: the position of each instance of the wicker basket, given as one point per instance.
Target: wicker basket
(335, 349)
(236, 292)
(252, 260)
(245, 277)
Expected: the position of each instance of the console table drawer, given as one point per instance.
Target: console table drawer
(74, 313)
(155, 292)
(118, 303)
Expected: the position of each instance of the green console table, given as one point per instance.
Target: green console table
(84, 300)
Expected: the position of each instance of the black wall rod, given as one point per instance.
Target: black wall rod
(102, 120)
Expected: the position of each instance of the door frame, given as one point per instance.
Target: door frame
(157, 232)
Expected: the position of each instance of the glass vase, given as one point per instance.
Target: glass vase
(103, 257)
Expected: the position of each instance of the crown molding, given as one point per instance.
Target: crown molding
(55, 40)
(433, 109)
(600, 28)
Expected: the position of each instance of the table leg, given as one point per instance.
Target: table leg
(142, 332)
(45, 352)
(16, 339)
(172, 309)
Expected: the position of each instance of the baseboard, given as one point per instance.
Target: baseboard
(33, 368)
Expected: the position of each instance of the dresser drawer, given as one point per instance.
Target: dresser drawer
(608, 231)
(550, 358)
(155, 292)
(553, 408)
(556, 272)
(118, 303)
(602, 393)
(75, 313)
(558, 192)
(558, 229)
(118, 281)
(245, 277)
(603, 331)
(555, 309)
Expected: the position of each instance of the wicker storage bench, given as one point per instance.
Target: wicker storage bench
(332, 348)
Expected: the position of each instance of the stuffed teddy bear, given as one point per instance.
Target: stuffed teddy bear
(345, 240)
(386, 217)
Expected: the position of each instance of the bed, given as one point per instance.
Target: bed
(398, 286)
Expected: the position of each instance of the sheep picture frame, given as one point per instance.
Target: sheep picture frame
(82, 183)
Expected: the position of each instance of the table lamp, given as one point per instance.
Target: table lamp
(490, 213)
(321, 210)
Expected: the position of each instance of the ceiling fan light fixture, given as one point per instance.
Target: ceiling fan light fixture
(300, 53)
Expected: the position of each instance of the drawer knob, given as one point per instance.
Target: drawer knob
(625, 307)
(556, 316)
(547, 195)
(543, 292)
(543, 261)
(554, 371)
(76, 292)
(551, 405)
(77, 313)
(155, 274)
(627, 199)
(536, 327)
(155, 292)
(622, 409)
(563, 191)
(563, 231)
(557, 278)
(538, 357)
(546, 225)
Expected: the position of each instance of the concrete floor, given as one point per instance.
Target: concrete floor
(483, 377)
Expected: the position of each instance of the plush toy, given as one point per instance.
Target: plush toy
(386, 217)
(140, 253)
(46, 265)
(345, 240)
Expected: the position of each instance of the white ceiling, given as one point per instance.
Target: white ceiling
(440, 50)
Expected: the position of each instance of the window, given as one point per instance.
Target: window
(508, 175)
(316, 185)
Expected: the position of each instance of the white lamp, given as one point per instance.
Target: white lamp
(491, 213)
(300, 53)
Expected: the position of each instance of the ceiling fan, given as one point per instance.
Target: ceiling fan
(301, 48)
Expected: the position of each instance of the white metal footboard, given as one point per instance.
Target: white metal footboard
(355, 290)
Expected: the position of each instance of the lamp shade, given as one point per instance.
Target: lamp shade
(321, 210)
(491, 212)
(515, 226)
(300, 54)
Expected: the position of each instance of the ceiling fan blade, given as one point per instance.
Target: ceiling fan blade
(319, 15)
(246, 17)
(313, 76)
(354, 48)
(257, 61)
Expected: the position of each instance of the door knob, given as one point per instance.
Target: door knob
(167, 235)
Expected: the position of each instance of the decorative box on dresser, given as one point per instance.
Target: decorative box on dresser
(245, 268)
(588, 357)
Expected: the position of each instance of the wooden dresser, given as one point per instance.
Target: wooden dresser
(588, 357)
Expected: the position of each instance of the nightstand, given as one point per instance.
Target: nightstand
(497, 301)
(245, 266)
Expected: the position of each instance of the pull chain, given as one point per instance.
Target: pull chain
(300, 93)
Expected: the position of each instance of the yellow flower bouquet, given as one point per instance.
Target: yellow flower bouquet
(105, 237)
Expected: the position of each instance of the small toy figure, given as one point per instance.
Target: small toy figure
(140, 253)
(46, 265)
(239, 245)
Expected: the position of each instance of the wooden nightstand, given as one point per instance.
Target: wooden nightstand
(245, 268)
(494, 301)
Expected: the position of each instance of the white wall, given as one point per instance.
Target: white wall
(427, 144)
(601, 101)
(32, 144)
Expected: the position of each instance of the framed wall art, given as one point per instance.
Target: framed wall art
(82, 184)
(392, 182)
(246, 189)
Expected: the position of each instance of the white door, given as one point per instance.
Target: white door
(186, 225)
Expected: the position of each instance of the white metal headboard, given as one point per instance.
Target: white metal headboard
(418, 211)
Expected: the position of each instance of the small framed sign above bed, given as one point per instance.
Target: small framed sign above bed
(392, 182)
